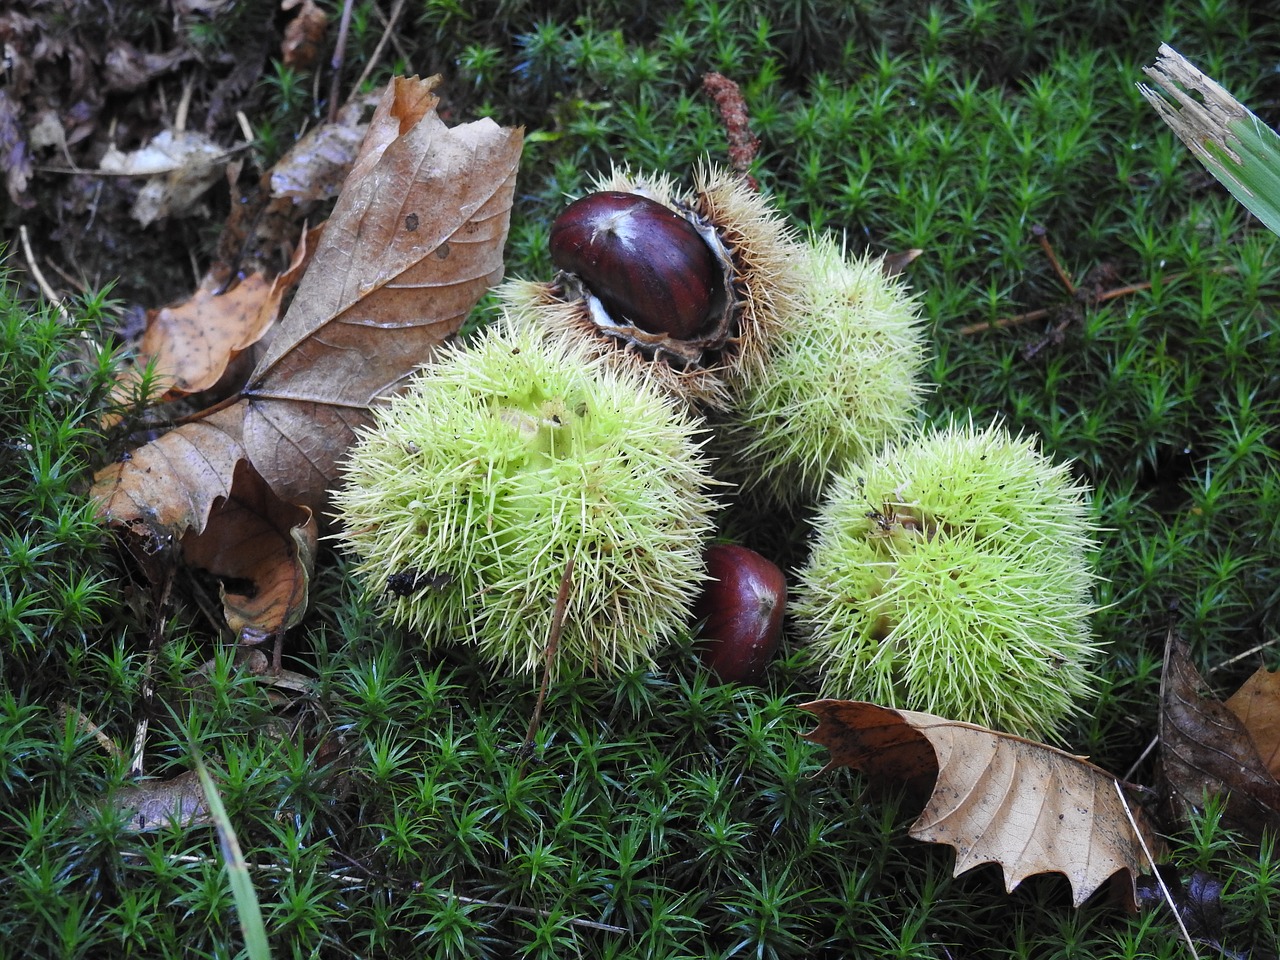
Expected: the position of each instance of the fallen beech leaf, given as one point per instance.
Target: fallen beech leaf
(316, 165)
(1257, 706)
(996, 798)
(415, 239)
(252, 537)
(167, 487)
(192, 342)
(1205, 749)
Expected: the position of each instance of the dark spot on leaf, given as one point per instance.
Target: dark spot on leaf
(411, 222)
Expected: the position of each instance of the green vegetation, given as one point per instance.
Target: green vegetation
(658, 815)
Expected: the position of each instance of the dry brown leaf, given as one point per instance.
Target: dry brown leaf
(996, 798)
(264, 546)
(192, 342)
(415, 239)
(303, 34)
(1206, 750)
(1257, 706)
(167, 487)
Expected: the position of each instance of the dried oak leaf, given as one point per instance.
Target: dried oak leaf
(415, 239)
(996, 798)
(1206, 750)
(1257, 706)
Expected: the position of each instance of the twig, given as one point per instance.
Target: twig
(41, 282)
(372, 879)
(737, 126)
(156, 632)
(1042, 235)
(382, 45)
(335, 63)
(1240, 656)
(88, 726)
(1040, 314)
(553, 641)
(1168, 897)
(1083, 296)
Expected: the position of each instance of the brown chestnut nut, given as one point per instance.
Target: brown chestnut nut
(741, 610)
(642, 260)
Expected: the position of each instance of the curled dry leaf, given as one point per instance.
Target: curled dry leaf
(415, 239)
(262, 549)
(1206, 750)
(995, 798)
(181, 166)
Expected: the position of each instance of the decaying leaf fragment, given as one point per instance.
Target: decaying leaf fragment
(996, 798)
(181, 166)
(1205, 749)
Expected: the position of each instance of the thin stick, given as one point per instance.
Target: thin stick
(88, 726)
(1248, 653)
(1042, 235)
(1044, 312)
(382, 44)
(1168, 897)
(335, 64)
(41, 282)
(1128, 775)
(553, 641)
(156, 632)
(355, 881)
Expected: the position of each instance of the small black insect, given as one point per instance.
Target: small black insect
(408, 582)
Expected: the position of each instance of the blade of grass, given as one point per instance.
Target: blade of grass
(1241, 151)
(247, 906)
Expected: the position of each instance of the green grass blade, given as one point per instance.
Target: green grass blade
(1241, 151)
(247, 906)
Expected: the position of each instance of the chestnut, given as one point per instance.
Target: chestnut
(644, 262)
(741, 612)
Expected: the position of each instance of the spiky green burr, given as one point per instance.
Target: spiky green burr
(472, 491)
(951, 574)
(842, 377)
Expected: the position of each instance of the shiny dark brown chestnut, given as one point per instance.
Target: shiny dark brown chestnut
(741, 610)
(643, 261)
